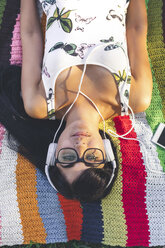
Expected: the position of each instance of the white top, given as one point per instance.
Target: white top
(85, 32)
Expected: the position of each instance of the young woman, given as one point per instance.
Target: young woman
(93, 64)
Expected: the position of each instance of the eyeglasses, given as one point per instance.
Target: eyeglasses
(92, 157)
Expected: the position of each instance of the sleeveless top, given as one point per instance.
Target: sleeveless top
(80, 32)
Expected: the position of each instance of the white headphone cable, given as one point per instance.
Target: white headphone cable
(81, 80)
(79, 91)
(110, 132)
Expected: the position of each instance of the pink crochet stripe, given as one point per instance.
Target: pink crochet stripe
(134, 186)
(2, 132)
(16, 47)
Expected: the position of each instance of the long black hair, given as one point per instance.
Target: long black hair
(33, 137)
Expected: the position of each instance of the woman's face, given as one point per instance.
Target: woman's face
(80, 138)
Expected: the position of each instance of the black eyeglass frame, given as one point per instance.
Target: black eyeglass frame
(95, 165)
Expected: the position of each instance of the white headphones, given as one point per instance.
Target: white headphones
(50, 160)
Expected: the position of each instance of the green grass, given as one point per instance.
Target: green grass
(71, 244)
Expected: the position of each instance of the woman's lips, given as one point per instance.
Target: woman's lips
(81, 134)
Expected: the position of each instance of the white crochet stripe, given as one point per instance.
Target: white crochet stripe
(155, 185)
(11, 228)
(0, 229)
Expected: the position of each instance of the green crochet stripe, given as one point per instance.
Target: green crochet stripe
(155, 113)
(154, 116)
(156, 45)
(147, 3)
(2, 9)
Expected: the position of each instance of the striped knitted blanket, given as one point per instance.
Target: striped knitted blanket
(134, 213)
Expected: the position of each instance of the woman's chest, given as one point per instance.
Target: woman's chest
(98, 84)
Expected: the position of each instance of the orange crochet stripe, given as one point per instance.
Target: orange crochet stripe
(32, 225)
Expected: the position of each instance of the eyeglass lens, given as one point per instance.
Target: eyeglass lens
(91, 156)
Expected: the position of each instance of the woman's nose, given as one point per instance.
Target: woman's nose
(80, 145)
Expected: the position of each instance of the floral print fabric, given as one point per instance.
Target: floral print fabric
(73, 29)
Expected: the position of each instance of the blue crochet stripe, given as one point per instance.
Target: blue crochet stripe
(92, 227)
(50, 211)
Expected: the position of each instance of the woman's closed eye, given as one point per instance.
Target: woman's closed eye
(68, 157)
(92, 158)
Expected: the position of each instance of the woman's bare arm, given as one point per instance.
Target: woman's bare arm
(141, 85)
(32, 46)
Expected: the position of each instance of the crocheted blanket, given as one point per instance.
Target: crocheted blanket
(134, 213)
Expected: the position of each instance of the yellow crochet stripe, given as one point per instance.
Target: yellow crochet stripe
(156, 45)
(115, 232)
(32, 225)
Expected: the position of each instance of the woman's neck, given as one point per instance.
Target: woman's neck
(83, 111)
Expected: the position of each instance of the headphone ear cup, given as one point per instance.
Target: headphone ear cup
(108, 150)
(50, 159)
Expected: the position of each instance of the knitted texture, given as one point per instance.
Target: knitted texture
(16, 47)
(156, 49)
(133, 214)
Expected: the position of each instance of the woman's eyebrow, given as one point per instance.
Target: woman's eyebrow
(72, 165)
(67, 165)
